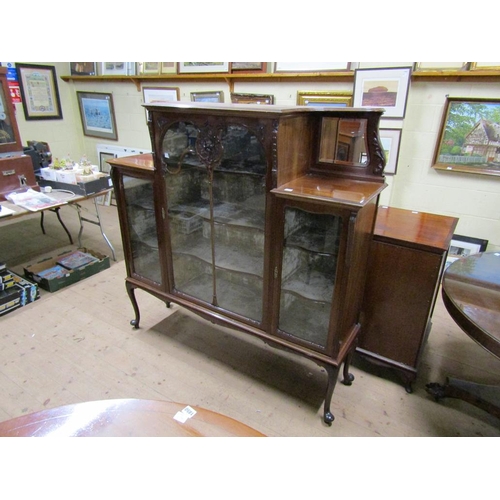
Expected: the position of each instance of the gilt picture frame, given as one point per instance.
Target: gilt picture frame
(336, 99)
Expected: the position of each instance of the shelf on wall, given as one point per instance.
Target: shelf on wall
(230, 78)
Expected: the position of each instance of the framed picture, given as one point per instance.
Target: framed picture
(330, 99)
(39, 92)
(117, 68)
(484, 65)
(216, 96)
(83, 68)
(440, 66)
(252, 98)
(155, 95)
(463, 246)
(168, 68)
(468, 139)
(382, 88)
(148, 68)
(104, 166)
(247, 67)
(309, 67)
(97, 114)
(390, 139)
(203, 67)
(158, 95)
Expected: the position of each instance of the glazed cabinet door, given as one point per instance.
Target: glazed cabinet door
(140, 228)
(308, 277)
(216, 204)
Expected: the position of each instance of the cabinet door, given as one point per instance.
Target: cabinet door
(142, 228)
(309, 263)
(216, 216)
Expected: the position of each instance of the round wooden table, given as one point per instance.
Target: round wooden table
(471, 294)
(126, 418)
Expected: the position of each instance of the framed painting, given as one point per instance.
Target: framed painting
(216, 96)
(82, 68)
(252, 98)
(309, 67)
(484, 65)
(203, 67)
(39, 92)
(168, 68)
(441, 66)
(247, 67)
(391, 140)
(117, 68)
(382, 88)
(155, 95)
(148, 68)
(97, 114)
(468, 140)
(330, 99)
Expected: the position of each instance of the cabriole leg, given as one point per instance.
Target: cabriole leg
(333, 373)
(131, 295)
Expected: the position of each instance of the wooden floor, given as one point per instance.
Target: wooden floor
(77, 345)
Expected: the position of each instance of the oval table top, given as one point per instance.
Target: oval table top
(126, 418)
(471, 294)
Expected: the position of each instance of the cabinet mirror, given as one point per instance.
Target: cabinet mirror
(343, 140)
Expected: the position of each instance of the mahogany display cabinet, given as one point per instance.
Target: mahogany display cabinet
(257, 218)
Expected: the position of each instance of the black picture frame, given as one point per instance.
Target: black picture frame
(39, 91)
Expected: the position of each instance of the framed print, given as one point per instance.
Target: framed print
(97, 114)
(390, 139)
(463, 246)
(330, 99)
(440, 66)
(468, 140)
(247, 67)
(148, 68)
(217, 96)
(156, 95)
(203, 67)
(83, 68)
(104, 166)
(117, 68)
(382, 88)
(39, 92)
(484, 65)
(311, 67)
(252, 98)
(168, 68)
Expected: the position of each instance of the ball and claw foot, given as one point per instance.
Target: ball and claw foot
(134, 323)
(328, 418)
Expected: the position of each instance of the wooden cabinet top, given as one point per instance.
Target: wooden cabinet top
(419, 229)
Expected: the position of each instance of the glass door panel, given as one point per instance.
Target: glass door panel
(309, 267)
(139, 201)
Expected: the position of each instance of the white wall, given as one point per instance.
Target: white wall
(475, 199)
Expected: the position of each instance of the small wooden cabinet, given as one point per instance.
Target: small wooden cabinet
(257, 218)
(406, 263)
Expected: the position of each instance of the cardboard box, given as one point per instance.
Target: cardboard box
(102, 183)
(54, 283)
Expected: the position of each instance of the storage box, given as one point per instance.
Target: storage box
(93, 186)
(57, 281)
(21, 292)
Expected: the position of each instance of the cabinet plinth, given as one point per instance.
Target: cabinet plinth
(258, 218)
